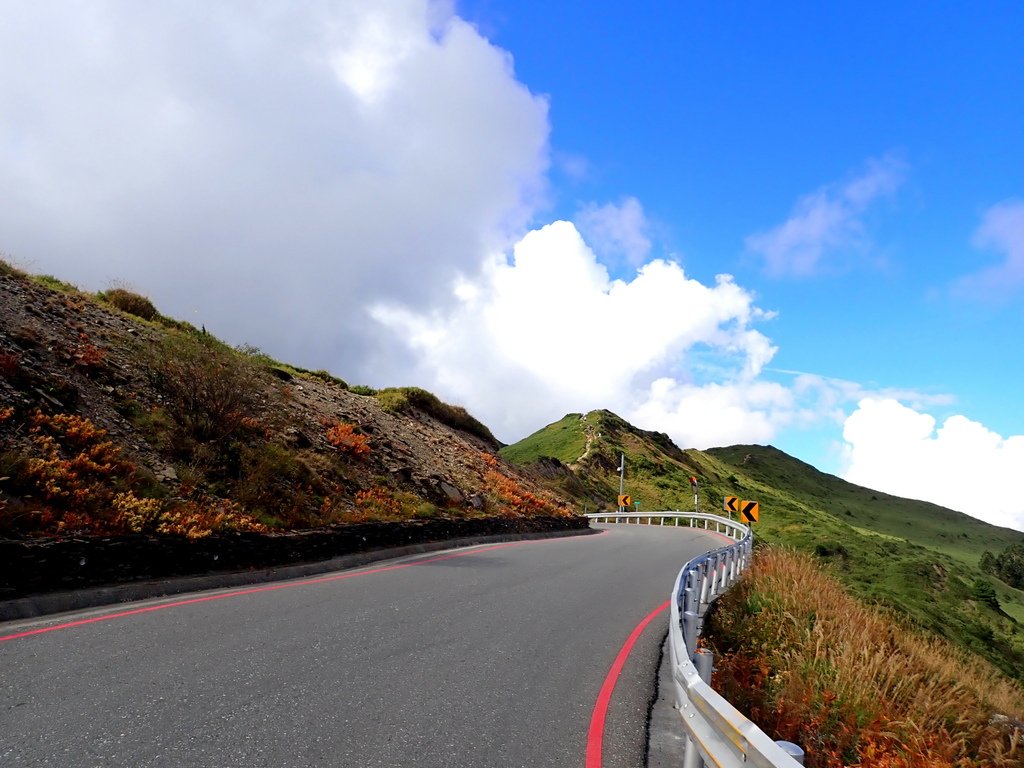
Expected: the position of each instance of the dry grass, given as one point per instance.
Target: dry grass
(811, 664)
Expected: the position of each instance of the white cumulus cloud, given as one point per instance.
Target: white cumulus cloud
(961, 464)
(715, 414)
(824, 222)
(551, 332)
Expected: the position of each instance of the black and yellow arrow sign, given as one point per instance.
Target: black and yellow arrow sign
(749, 511)
(732, 503)
(625, 500)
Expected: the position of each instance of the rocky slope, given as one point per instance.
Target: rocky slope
(114, 419)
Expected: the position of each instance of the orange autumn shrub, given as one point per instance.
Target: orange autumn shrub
(197, 519)
(87, 355)
(76, 472)
(509, 495)
(377, 503)
(78, 481)
(345, 438)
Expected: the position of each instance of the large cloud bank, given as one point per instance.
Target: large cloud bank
(265, 169)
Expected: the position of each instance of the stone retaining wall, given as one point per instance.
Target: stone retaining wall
(38, 566)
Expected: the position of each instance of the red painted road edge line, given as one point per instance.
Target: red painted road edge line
(254, 590)
(595, 737)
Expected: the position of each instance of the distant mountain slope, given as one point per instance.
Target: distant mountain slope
(918, 558)
(953, 533)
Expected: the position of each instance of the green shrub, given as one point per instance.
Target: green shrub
(360, 389)
(327, 377)
(393, 400)
(258, 356)
(207, 385)
(130, 302)
(397, 399)
(275, 483)
(983, 591)
(52, 282)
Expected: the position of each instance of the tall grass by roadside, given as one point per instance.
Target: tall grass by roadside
(811, 664)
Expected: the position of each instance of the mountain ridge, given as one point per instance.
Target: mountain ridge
(914, 557)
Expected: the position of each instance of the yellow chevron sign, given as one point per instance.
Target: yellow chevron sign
(732, 503)
(749, 511)
(625, 500)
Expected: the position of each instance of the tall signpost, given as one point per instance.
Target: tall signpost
(622, 479)
(693, 487)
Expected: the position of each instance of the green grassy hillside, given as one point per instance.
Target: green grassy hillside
(958, 535)
(565, 440)
(657, 471)
(920, 559)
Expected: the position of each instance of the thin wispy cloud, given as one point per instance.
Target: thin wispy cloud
(616, 232)
(825, 222)
(1001, 230)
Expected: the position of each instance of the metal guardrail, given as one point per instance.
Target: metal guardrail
(717, 734)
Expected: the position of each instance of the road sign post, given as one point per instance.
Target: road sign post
(622, 480)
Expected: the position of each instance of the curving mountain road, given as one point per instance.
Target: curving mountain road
(485, 656)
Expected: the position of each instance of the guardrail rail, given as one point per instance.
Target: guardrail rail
(717, 734)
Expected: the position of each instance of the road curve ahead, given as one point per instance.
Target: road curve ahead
(487, 656)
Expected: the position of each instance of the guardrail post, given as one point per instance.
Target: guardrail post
(704, 661)
(705, 584)
(793, 750)
(690, 594)
(691, 628)
(692, 758)
(715, 577)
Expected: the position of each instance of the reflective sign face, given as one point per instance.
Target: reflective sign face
(625, 501)
(749, 511)
(732, 503)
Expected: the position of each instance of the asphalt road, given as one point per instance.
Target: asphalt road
(486, 656)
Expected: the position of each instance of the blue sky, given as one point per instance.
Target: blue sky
(719, 117)
(798, 225)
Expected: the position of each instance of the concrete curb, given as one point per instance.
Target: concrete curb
(92, 597)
